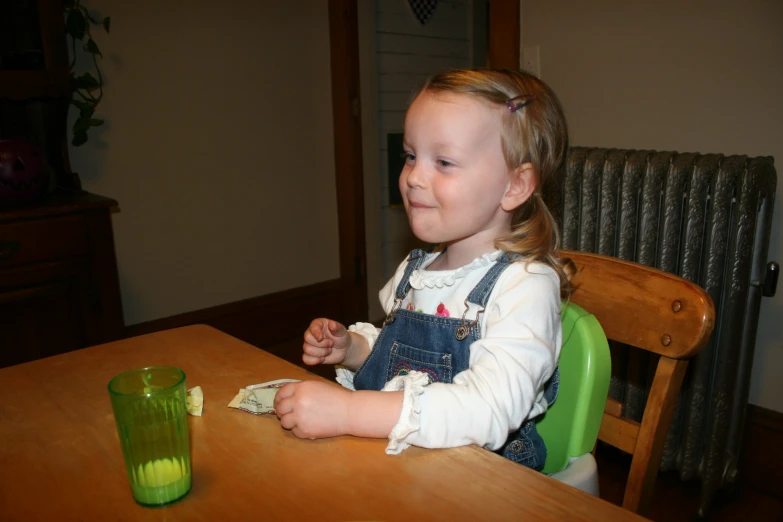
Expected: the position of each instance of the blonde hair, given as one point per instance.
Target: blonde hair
(535, 133)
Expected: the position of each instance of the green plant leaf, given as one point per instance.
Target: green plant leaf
(86, 111)
(79, 138)
(85, 81)
(81, 125)
(76, 24)
(92, 47)
(78, 20)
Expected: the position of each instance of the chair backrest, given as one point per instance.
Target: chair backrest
(570, 426)
(657, 312)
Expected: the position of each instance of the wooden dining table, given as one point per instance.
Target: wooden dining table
(60, 457)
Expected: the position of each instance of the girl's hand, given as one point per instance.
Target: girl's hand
(312, 409)
(325, 342)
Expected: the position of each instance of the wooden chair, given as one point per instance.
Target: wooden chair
(653, 311)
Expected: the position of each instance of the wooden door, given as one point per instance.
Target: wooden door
(502, 51)
(344, 42)
(399, 53)
(503, 34)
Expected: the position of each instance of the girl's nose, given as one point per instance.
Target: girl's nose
(416, 177)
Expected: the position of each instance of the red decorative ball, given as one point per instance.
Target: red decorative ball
(23, 173)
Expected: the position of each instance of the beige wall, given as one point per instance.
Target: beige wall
(699, 76)
(218, 146)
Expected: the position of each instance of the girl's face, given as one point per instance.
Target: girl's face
(455, 175)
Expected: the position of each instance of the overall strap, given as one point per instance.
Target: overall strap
(480, 293)
(415, 260)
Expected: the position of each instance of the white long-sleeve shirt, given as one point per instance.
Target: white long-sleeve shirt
(509, 365)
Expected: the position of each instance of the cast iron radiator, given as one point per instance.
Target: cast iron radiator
(707, 218)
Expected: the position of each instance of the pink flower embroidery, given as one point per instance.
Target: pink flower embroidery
(410, 306)
(442, 312)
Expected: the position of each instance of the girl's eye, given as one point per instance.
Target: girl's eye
(408, 157)
(444, 163)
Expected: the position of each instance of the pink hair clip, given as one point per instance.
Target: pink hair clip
(517, 102)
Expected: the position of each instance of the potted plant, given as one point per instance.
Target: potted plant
(87, 90)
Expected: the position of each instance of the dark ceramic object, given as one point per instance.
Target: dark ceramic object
(23, 173)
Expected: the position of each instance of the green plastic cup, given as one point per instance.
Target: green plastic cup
(152, 422)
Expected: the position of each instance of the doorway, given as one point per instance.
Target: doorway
(398, 51)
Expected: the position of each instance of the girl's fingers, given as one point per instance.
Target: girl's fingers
(316, 351)
(311, 360)
(318, 328)
(336, 329)
(309, 338)
(300, 434)
(287, 422)
(284, 407)
(285, 392)
(316, 339)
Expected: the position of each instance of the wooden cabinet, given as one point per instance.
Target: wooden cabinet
(58, 273)
(35, 88)
(59, 289)
(33, 55)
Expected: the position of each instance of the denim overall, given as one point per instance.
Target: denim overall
(398, 351)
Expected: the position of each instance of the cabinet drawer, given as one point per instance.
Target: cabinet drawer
(29, 242)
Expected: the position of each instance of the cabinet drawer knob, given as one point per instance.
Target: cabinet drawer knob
(8, 249)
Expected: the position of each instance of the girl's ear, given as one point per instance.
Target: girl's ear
(520, 187)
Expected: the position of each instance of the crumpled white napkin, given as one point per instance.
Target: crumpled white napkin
(195, 401)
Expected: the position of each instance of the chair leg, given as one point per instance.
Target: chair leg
(652, 434)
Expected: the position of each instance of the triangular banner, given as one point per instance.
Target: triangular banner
(423, 9)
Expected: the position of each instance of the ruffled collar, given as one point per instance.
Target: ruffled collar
(422, 278)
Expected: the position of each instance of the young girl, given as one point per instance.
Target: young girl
(469, 349)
